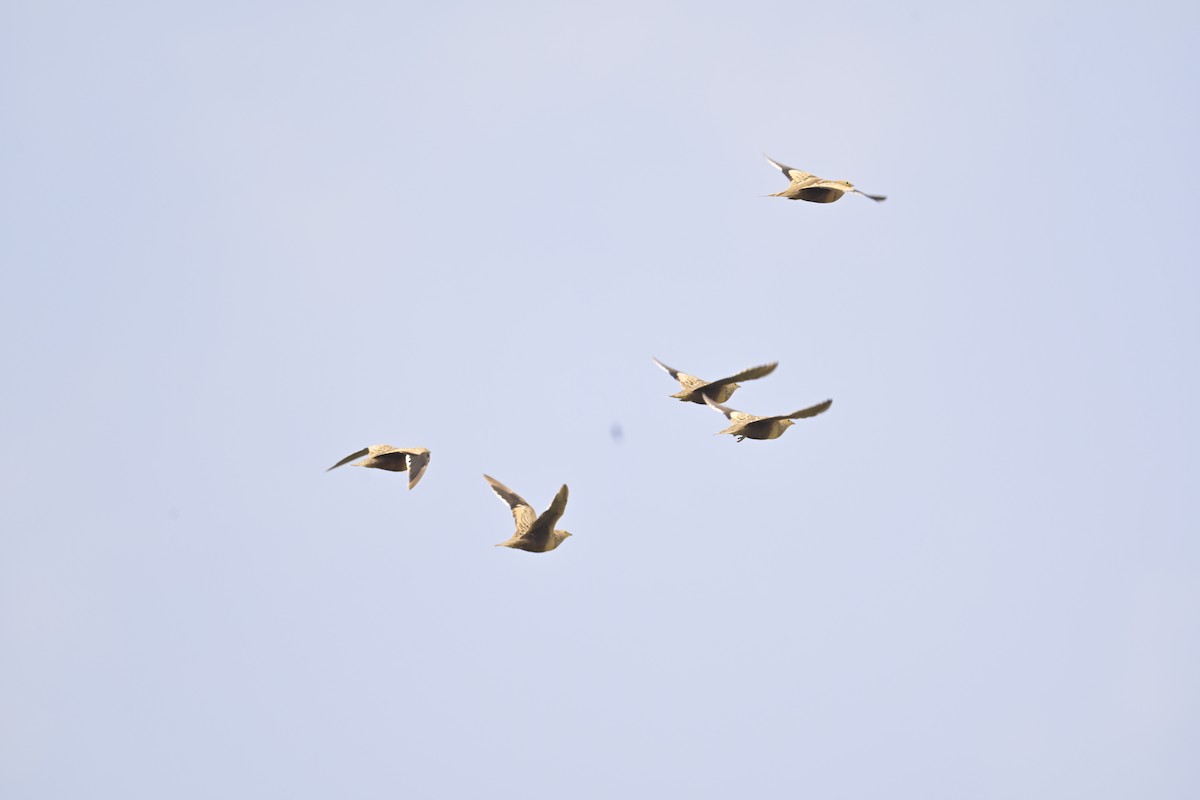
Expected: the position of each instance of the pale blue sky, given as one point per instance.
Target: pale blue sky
(242, 240)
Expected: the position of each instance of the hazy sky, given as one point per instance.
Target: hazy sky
(241, 240)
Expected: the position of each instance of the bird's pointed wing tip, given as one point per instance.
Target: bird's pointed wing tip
(811, 411)
(350, 458)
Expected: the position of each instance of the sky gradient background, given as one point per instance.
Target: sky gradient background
(241, 242)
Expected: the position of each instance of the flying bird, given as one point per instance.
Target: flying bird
(748, 426)
(806, 186)
(534, 533)
(393, 459)
(695, 390)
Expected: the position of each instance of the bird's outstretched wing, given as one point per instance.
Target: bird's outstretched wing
(804, 413)
(674, 373)
(523, 513)
(791, 173)
(760, 371)
(557, 508)
(418, 460)
(731, 414)
(350, 458)
(878, 198)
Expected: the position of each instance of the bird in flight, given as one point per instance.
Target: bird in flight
(748, 426)
(393, 459)
(695, 390)
(534, 533)
(806, 186)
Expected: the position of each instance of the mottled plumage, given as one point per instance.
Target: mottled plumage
(534, 533)
(695, 389)
(393, 459)
(806, 186)
(748, 426)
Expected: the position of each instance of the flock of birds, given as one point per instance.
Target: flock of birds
(535, 532)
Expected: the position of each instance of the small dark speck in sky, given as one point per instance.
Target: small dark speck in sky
(616, 433)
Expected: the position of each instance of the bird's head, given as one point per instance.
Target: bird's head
(787, 423)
